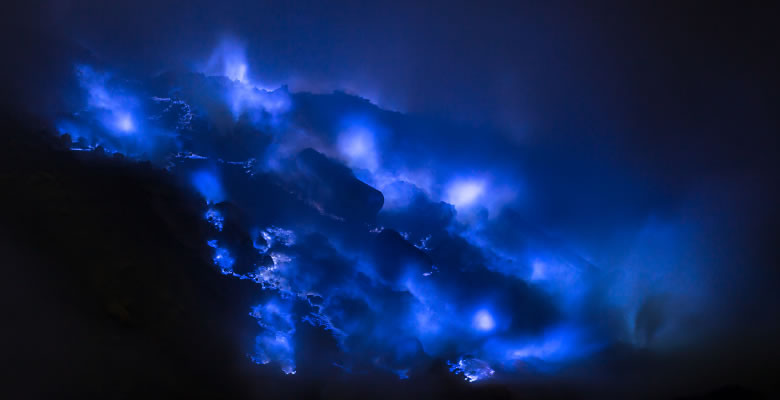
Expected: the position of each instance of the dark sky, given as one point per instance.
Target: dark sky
(492, 62)
(610, 113)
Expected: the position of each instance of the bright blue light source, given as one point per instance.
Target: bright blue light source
(465, 193)
(472, 369)
(357, 146)
(125, 123)
(274, 343)
(215, 218)
(236, 70)
(435, 309)
(223, 260)
(484, 321)
(538, 271)
(209, 186)
(229, 59)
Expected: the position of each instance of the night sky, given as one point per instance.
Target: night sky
(248, 199)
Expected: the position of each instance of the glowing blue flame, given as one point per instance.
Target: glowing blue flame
(484, 321)
(442, 287)
(357, 146)
(215, 218)
(125, 123)
(472, 369)
(465, 193)
(229, 59)
(208, 184)
(275, 343)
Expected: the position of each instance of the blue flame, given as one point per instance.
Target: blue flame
(229, 60)
(472, 369)
(467, 289)
(275, 343)
(484, 321)
(465, 193)
(208, 183)
(357, 147)
(215, 218)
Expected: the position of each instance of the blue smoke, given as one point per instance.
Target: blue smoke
(355, 224)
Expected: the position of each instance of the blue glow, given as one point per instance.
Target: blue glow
(215, 218)
(356, 145)
(245, 96)
(229, 60)
(484, 321)
(124, 123)
(539, 270)
(282, 236)
(260, 240)
(490, 293)
(465, 193)
(223, 260)
(209, 185)
(236, 70)
(260, 105)
(112, 105)
(275, 342)
(472, 369)
(114, 117)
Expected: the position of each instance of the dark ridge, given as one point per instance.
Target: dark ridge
(107, 281)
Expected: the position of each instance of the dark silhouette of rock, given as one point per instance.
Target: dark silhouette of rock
(333, 187)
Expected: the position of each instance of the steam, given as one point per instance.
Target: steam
(396, 250)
